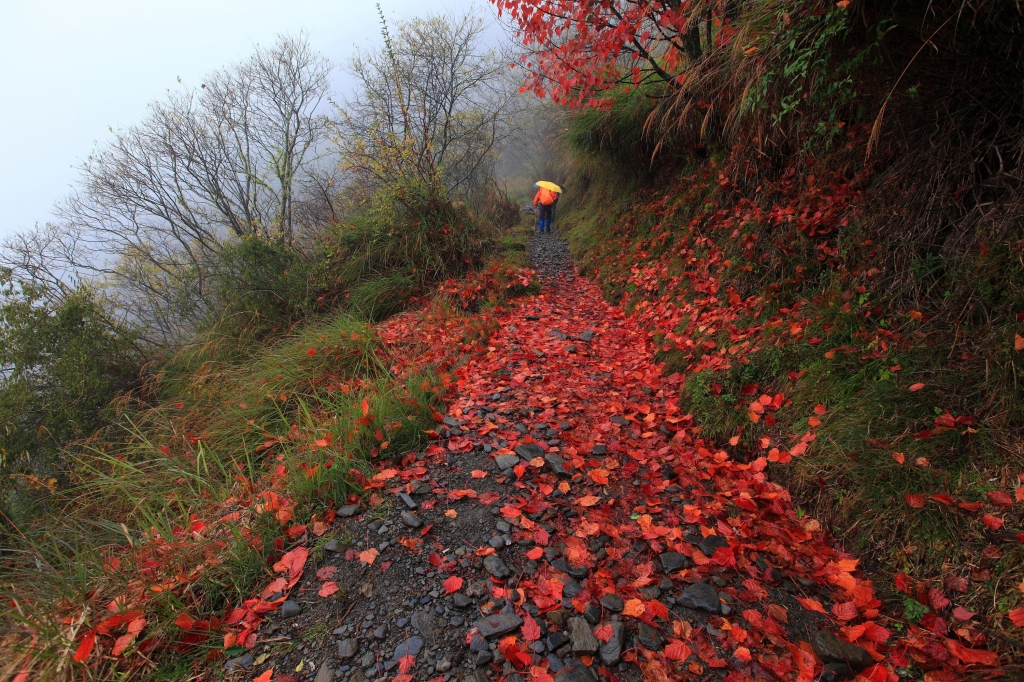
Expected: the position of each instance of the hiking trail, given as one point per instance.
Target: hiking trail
(570, 523)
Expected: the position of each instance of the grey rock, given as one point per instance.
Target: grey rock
(411, 520)
(712, 542)
(347, 648)
(506, 462)
(461, 601)
(496, 567)
(483, 658)
(410, 647)
(611, 651)
(575, 672)
(831, 649)
(408, 501)
(290, 609)
(478, 643)
(380, 632)
(348, 510)
(497, 625)
(700, 596)
(582, 638)
(649, 637)
(324, 674)
(650, 592)
(333, 545)
(834, 672)
(368, 659)
(529, 451)
(586, 335)
(613, 603)
(556, 640)
(673, 561)
(557, 465)
(497, 542)
(243, 662)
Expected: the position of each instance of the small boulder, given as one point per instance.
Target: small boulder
(831, 649)
(496, 567)
(582, 638)
(497, 625)
(700, 596)
(290, 609)
(347, 648)
(673, 561)
(613, 603)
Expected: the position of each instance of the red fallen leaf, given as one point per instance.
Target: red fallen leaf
(535, 553)
(969, 656)
(1019, 494)
(1017, 616)
(970, 506)
(292, 562)
(510, 512)
(960, 613)
(85, 647)
(452, 584)
(311, 352)
(604, 632)
(902, 581)
(369, 556)
(588, 500)
(778, 612)
(328, 588)
(811, 604)
(936, 599)
(530, 630)
(993, 522)
(599, 476)
(899, 457)
(955, 583)
(1000, 498)
(742, 653)
(943, 499)
(916, 387)
(476, 473)
(366, 407)
(265, 677)
(677, 650)
(184, 621)
(914, 500)
(406, 663)
(820, 409)
(326, 573)
(1018, 342)
(845, 610)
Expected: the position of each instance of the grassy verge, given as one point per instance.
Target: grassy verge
(177, 514)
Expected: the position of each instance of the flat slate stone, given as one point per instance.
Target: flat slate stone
(505, 462)
(582, 638)
(411, 520)
(711, 543)
(333, 545)
(611, 651)
(586, 335)
(348, 510)
(557, 465)
(575, 673)
(497, 625)
(529, 450)
(700, 596)
(831, 649)
(324, 674)
(673, 561)
(496, 567)
(613, 603)
(410, 647)
(408, 501)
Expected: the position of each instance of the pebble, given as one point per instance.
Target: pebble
(831, 649)
(347, 648)
(649, 637)
(700, 596)
(613, 603)
(529, 451)
(348, 510)
(410, 647)
(496, 567)
(506, 462)
(498, 624)
(408, 501)
(290, 609)
(411, 520)
(324, 674)
(673, 561)
(243, 662)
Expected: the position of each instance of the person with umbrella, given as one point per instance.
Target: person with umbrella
(544, 201)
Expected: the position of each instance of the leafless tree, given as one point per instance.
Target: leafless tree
(432, 101)
(157, 204)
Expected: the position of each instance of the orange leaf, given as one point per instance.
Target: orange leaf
(599, 476)
(535, 553)
(914, 500)
(265, 677)
(589, 500)
(452, 584)
(476, 473)
(326, 573)
(811, 604)
(899, 457)
(677, 650)
(1018, 342)
(820, 409)
(452, 514)
(993, 522)
(916, 387)
(369, 556)
(328, 588)
(85, 647)
(634, 608)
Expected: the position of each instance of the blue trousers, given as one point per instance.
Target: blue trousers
(544, 215)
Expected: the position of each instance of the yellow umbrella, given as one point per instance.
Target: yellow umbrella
(548, 185)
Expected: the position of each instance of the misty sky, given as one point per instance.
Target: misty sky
(74, 68)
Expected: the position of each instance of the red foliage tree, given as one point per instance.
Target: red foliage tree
(581, 50)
